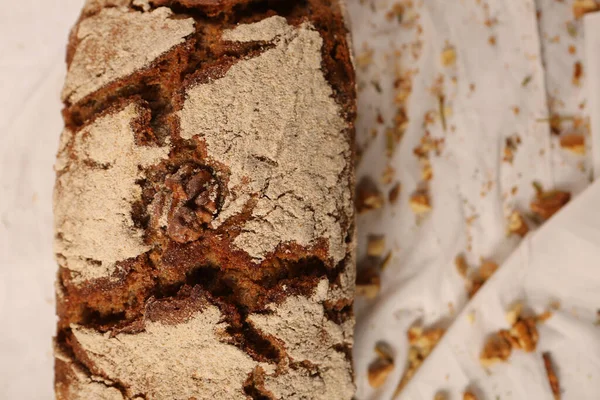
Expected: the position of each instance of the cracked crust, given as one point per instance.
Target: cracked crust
(203, 213)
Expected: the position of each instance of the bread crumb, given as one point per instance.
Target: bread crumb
(378, 372)
(496, 349)
(422, 342)
(448, 56)
(548, 203)
(419, 202)
(368, 281)
(426, 169)
(492, 40)
(375, 245)
(582, 7)
(543, 317)
(517, 224)
(574, 142)
(487, 269)
(572, 49)
(514, 313)
(388, 175)
(428, 145)
(396, 12)
(394, 193)
(510, 147)
(368, 196)
(478, 279)
(461, 265)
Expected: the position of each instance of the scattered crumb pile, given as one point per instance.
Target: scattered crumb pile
(522, 335)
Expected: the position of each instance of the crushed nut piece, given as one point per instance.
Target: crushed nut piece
(422, 342)
(469, 396)
(378, 372)
(582, 7)
(375, 245)
(476, 281)
(388, 175)
(394, 193)
(461, 265)
(549, 203)
(427, 145)
(368, 281)
(510, 147)
(448, 56)
(514, 313)
(426, 169)
(368, 196)
(487, 269)
(552, 378)
(496, 349)
(419, 202)
(543, 317)
(414, 333)
(522, 335)
(526, 334)
(517, 224)
(397, 12)
(574, 143)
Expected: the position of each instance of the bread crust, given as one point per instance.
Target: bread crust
(204, 202)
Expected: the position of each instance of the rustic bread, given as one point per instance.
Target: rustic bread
(204, 202)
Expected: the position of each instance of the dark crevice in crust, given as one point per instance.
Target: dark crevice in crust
(231, 11)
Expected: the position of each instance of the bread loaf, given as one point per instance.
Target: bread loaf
(204, 223)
